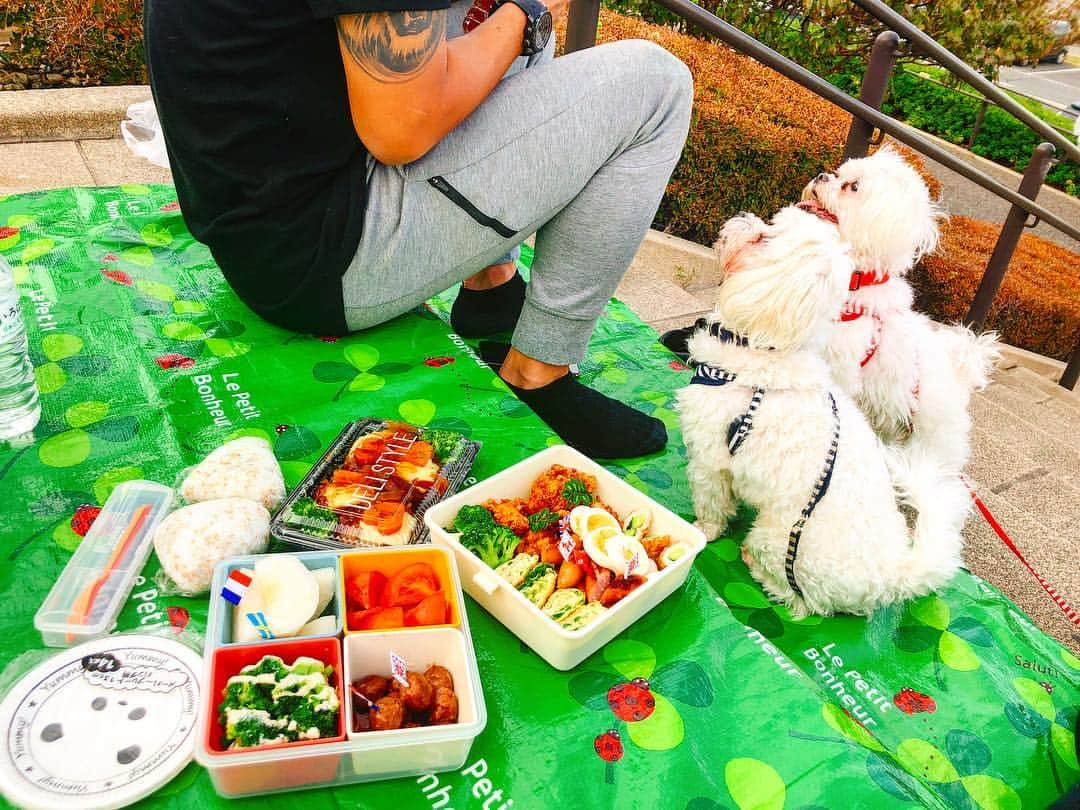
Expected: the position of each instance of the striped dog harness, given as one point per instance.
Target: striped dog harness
(740, 429)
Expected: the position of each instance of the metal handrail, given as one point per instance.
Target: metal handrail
(792, 70)
(959, 68)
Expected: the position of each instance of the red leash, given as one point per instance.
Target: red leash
(1066, 608)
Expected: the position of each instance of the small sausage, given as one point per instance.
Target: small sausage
(439, 676)
(387, 713)
(372, 687)
(445, 710)
(570, 574)
(417, 695)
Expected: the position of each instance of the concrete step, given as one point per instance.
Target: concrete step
(659, 301)
(988, 557)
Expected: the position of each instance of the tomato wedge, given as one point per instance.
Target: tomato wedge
(365, 589)
(379, 618)
(411, 585)
(432, 610)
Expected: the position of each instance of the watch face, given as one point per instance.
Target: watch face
(542, 31)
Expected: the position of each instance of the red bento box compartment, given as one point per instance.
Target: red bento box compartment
(228, 661)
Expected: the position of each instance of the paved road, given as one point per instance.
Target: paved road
(1059, 84)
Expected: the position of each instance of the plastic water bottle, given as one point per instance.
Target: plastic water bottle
(20, 409)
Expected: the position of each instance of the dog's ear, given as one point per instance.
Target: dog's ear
(928, 231)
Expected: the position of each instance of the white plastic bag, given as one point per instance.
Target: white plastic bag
(142, 133)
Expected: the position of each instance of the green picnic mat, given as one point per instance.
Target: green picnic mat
(955, 700)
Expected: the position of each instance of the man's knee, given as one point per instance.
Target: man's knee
(647, 59)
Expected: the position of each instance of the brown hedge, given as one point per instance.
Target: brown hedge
(755, 140)
(1038, 305)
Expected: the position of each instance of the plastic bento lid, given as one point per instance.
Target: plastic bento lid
(373, 484)
(100, 725)
(91, 590)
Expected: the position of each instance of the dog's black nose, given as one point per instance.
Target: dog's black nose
(744, 214)
(821, 178)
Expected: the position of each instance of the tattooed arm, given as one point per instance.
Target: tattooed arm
(409, 85)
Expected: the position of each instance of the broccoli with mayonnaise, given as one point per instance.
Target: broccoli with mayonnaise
(490, 541)
(445, 443)
(271, 702)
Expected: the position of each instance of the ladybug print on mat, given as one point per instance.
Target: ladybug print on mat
(438, 362)
(909, 701)
(119, 276)
(173, 360)
(178, 617)
(84, 518)
(609, 748)
(633, 701)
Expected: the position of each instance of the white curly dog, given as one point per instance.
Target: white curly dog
(911, 377)
(764, 424)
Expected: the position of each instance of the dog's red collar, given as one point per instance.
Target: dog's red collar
(866, 278)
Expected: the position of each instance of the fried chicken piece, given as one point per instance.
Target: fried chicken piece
(387, 713)
(654, 546)
(445, 707)
(547, 490)
(372, 687)
(439, 676)
(417, 695)
(511, 514)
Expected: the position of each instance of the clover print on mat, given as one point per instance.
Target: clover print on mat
(59, 357)
(752, 784)
(85, 419)
(952, 640)
(218, 337)
(637, 698)
(77, 509)
(1034, 715)
(361, 370)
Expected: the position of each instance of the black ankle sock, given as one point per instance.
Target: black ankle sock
(598, 426)
(493, 353)
(480, 313)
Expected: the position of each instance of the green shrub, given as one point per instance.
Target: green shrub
(951, 116)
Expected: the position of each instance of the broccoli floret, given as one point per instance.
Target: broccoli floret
(472, 517)
(494, 544)
(491, 542)
(316, 520)
(248, 727)
(242, 693)
(309, 666)
(445, 443)
(269, 665)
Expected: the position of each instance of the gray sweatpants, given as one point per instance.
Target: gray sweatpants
(577, 149)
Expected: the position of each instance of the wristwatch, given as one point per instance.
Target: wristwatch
(537, 25)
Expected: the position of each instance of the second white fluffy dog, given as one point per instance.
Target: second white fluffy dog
(765, 425)
(912, 378)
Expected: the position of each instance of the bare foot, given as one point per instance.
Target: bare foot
(490, 277)
(522, 371)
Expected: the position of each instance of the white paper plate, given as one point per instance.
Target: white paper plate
(100, 725)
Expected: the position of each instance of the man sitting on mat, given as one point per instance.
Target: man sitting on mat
(345, 160)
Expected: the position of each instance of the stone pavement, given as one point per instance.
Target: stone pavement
(1026, 456)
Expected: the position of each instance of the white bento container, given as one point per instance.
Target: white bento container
(352, 756)
(562, 648)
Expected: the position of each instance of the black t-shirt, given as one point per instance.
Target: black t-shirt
(268, 168)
